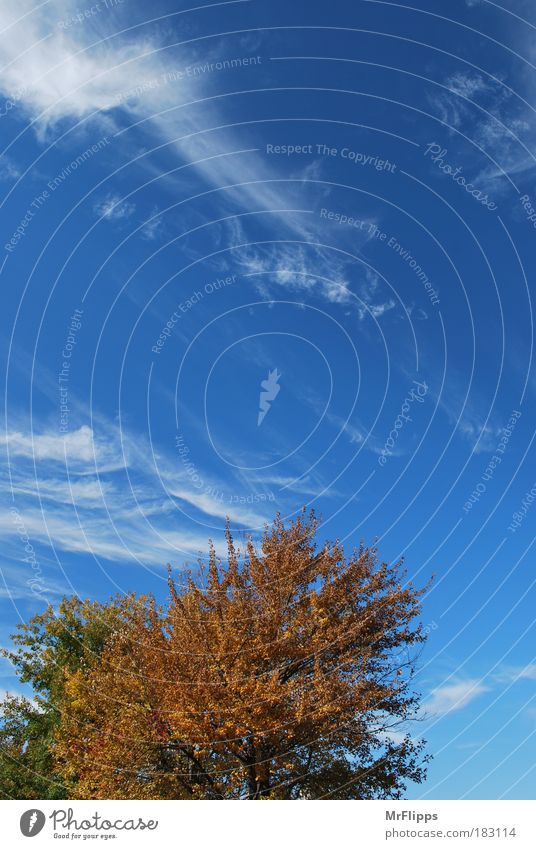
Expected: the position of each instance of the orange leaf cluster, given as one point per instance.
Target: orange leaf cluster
(276, 674)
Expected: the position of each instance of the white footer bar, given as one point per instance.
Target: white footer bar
(290, 825)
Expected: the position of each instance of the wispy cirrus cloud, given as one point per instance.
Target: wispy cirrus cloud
(77, 71)
(51, 445)
(19, 582)
(486, 110)
(8, 169)
(86, 492)
(153, 227)
(297, 269)
(454, 696)
(80, 450)
(115, 535)
(108, 492)
(316, 271)
(479, 427)
(513, 674)
(114, 208)
(457, 692)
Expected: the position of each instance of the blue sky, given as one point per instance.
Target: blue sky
(323, 213)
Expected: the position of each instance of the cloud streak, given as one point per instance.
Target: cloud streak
(109, 493)
(455, 696)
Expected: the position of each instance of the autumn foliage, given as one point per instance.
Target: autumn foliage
(283, 672)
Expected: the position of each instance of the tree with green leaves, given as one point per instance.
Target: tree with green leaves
(49, 649)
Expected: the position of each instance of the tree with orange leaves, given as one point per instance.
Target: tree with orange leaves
(281, 673)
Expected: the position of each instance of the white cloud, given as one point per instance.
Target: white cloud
(68, 73)
(481, 429)
(122, 536)
(392, 735)
(467, 84)
(113, 208)
(22, 581)
(297, 269)
(465, 89)
(50, 445)
(357, 433)
(212, 507)
(313, 270)
(482, 437)
(528, 672)
(152, 227)
(89, 493)
(307, 485)
(485, 110)
(416, 313)
(513, 674)
(49, 69)
(77, 448)
(376, 310)
(111, 494)
(371, 303)
(455, 696)
(8, 169)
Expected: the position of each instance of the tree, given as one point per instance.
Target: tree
(49, 649)
(26, 764)
(278, 674)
